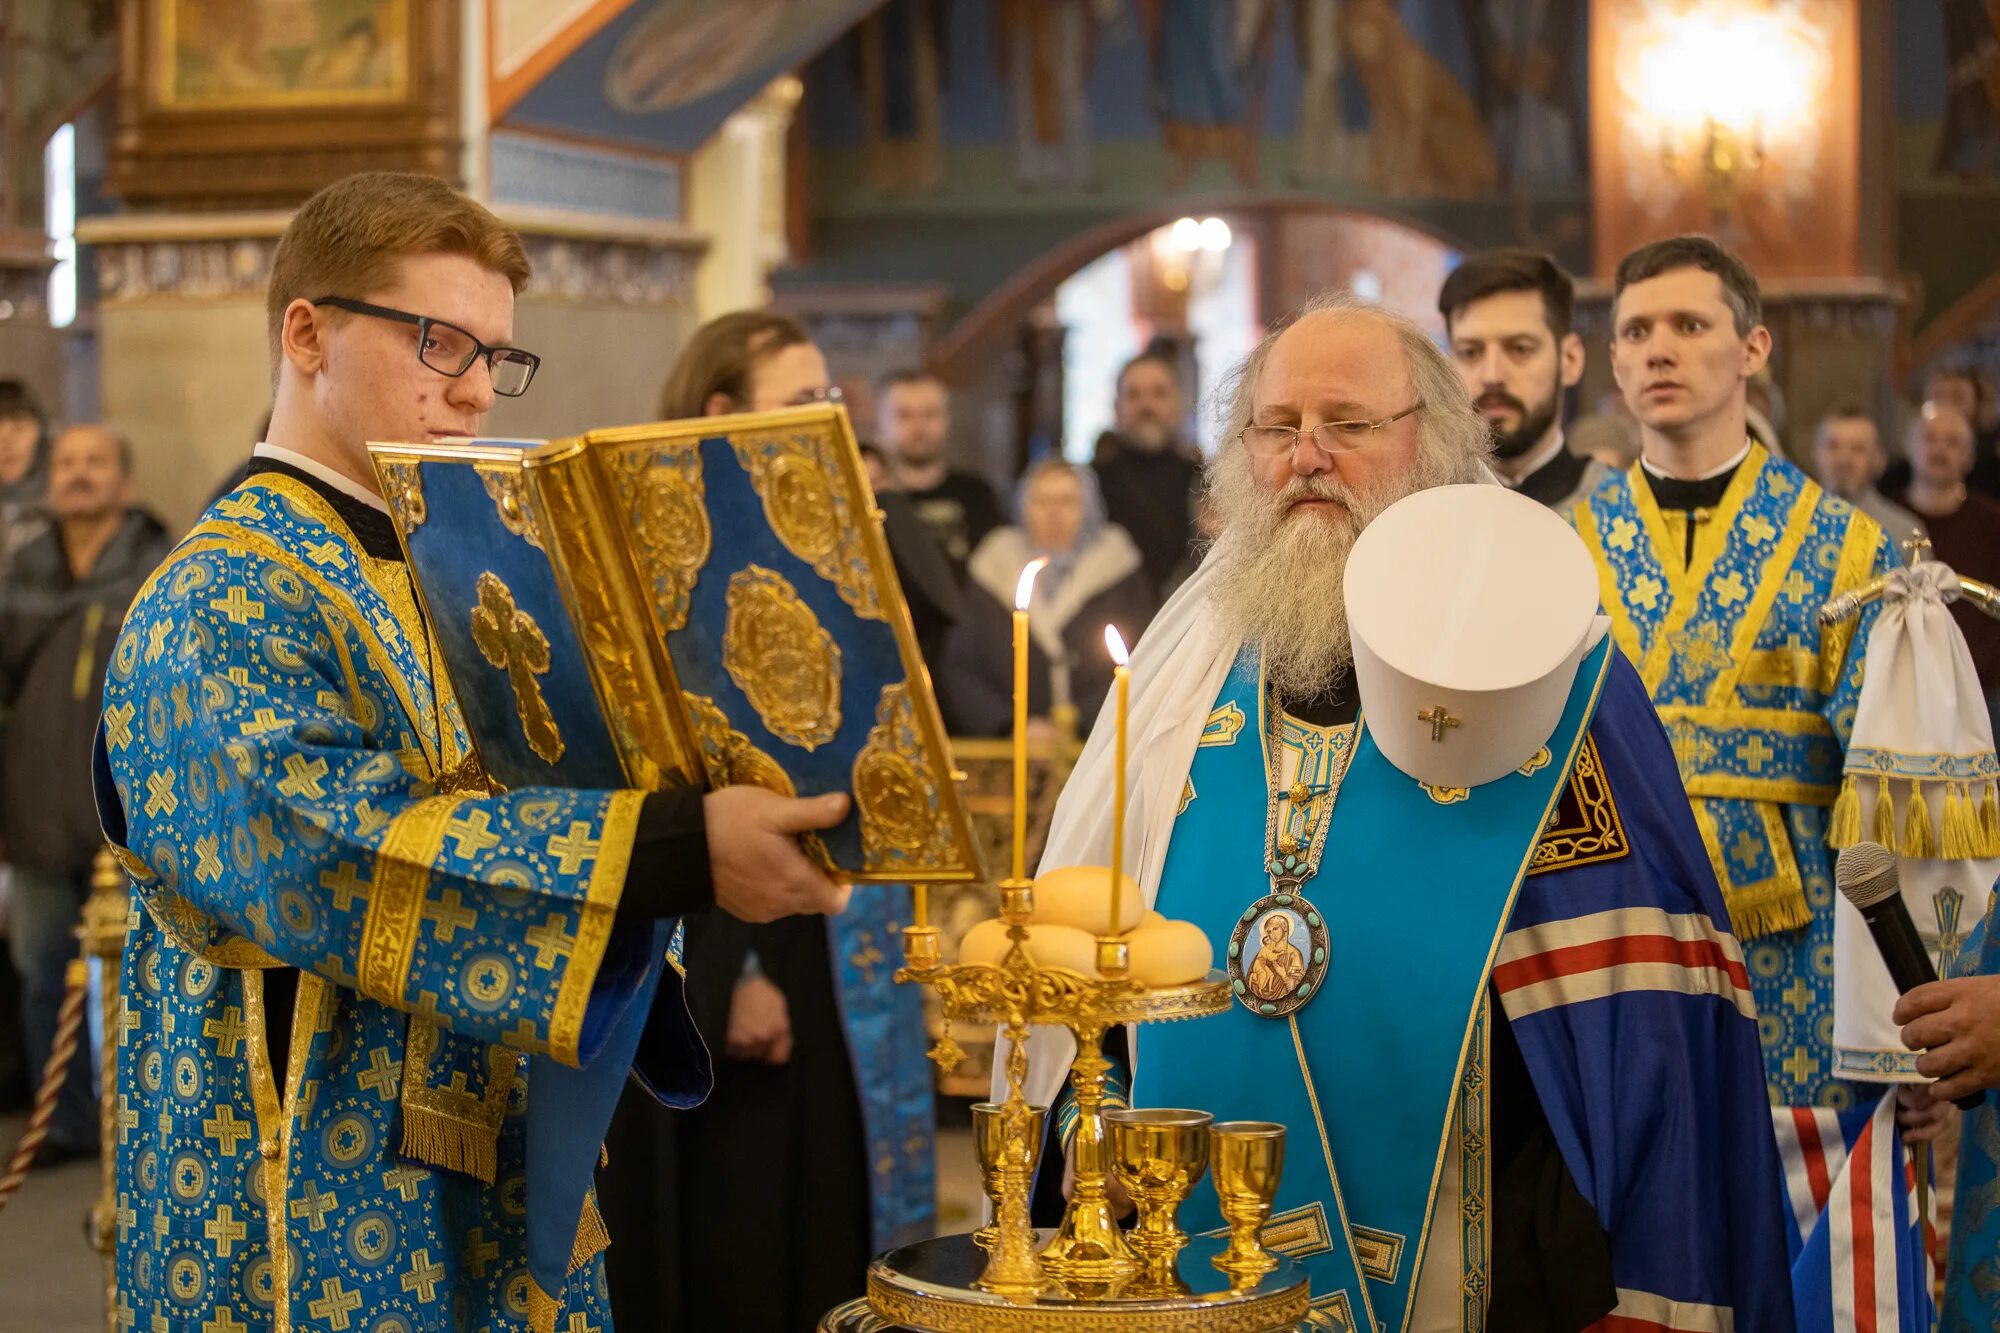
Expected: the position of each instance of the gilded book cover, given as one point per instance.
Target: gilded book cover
(704, 600)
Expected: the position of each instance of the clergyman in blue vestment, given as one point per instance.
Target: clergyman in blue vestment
(374, 1015)
(1520, 1070)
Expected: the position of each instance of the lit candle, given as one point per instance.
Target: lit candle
(1121, 677)
(1023, 591)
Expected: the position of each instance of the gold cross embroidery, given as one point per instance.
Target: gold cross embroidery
(1439, 720)
(509, 638)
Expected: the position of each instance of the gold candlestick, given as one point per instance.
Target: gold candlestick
(1024, 591)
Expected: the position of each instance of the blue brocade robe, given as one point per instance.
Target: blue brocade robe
(1759, 703)
(274, 732)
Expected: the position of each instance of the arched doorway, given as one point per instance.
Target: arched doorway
(1044, 349)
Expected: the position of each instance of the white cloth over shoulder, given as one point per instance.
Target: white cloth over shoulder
(1921, 733)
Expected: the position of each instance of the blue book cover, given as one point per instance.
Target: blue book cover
(702, 601)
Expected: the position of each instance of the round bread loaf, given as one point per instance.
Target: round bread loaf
(1080, 897)
(1173, 953)
(1049, 946)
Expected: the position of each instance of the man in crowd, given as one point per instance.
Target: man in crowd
(1715, 557)
(1964, 524)
(1507, 320)
(814, 1152)
(1625, 1161)
(1965, 390)
(23, 470)
(913, 421)
(1148, 471)
(59, 618)
(1847, 453)
(376, 1015)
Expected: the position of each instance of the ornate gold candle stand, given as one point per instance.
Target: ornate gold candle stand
(1086, 1274)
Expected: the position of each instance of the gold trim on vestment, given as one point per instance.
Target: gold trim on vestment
(1775, 566)
(593, 927)
(1332, 1176)
(1599, 833)
(1486, 973)
(1685, 581)
(1858, 550)
(448, 1128)
(403, 864)
(312, 1014)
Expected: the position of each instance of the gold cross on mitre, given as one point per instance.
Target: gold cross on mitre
(1439, 720)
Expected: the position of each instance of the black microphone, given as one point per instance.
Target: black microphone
(1866, 876)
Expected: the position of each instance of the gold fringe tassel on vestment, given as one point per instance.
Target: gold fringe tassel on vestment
(453, 1145)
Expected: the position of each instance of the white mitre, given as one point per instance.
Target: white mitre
(1469, 608)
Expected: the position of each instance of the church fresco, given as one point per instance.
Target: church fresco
(1104, 101)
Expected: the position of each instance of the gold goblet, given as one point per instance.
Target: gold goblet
(989, 1148)
(1249, 1157)
(1158, 1154)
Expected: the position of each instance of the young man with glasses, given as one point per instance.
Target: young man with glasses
(376, 1015)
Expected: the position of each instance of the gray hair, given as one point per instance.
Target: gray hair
(1452, 438)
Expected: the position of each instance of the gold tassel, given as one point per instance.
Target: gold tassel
(542, 1309)
(1919, 840)
(591, 1237)
(452, 1145)
(1989, 823)
(1885, 813)
(1765, 910)
(1960, 839)
(1844, 829)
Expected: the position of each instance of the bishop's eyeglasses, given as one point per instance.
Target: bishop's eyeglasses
(1332, 437)
(450, 350)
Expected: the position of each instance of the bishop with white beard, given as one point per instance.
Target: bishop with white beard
(1382, 726)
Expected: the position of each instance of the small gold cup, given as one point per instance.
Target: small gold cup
(989, 1149)
(1249, 1158)
(1159, 1154)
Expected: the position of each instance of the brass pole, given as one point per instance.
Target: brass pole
(106, 916)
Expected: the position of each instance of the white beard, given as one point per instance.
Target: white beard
(1280, 571)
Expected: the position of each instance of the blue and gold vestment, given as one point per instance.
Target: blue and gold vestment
(1566, 901)
(276, 739)
(1759, 702)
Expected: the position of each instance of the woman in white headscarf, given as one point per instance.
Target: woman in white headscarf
(1094, 577)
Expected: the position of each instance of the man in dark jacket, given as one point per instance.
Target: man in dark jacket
(60, 612)
(1149, 472)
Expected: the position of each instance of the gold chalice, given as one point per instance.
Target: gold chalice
(989, 1148)
(1158, 1154)
(1249, 1157)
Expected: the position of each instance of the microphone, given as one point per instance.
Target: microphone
(1866, 876)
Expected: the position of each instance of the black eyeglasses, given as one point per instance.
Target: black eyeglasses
(450, 350)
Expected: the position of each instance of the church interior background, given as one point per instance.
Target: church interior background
(1015, 194)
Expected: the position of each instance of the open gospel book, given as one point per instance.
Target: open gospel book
(705, 601)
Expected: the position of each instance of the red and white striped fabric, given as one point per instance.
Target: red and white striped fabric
(1629, 949)
(1843, 1171)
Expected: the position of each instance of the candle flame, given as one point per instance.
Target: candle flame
(1114, 643)
(1025, 589)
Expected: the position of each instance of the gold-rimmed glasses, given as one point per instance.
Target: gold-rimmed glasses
(1330, 437)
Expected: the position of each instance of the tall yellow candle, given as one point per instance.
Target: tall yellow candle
(1121, 683)
(1023, 592)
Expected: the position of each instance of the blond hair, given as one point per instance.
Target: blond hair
(349, 239)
